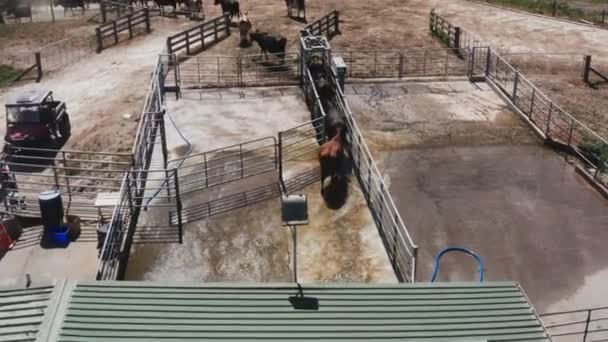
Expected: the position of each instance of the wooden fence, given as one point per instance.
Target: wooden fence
(126, 23)
(328, 26)
(588, 71)
(199, 37)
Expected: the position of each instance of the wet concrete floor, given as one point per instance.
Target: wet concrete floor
(465, 171)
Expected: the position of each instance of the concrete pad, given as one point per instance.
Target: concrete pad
(249, 243)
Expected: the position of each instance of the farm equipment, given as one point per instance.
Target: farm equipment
(35, 120)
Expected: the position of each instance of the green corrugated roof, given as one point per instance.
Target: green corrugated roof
(22, 311)
(143, 311)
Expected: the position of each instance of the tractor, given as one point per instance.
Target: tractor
(35, 120)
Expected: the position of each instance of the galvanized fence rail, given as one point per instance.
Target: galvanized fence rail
(551, 121)
(549, 118)
(405, 63)
(199, 37)
(79, 175)
(328, 26)
(577, 325)
(204, 170)
(197, 72)
(121, 230)
(590, 72)
(128, 23)
(402, 251)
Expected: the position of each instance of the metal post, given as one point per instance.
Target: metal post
(571, 133)
(280, 157)
(414, 263)
(488, 61)
(227, 21)
(178, 204)
(169, 49)
(99, 40)
(549, 120)
(587, 69)
(56, 177)
(515, 83)
(400, 64)
(215, 29)
(188, 43)
(206, 170)
(587, 322)
(457, 33)
(102, 7)
(67, 180)
(115, 29)
(130, 26)
(295, 253)
(38, 66)
(532, 103)
(147, 14)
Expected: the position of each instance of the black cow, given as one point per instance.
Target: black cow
(162, 3)
(71, 4)
(232, 7)
(274, 44)
(18, 9)
(300, 5)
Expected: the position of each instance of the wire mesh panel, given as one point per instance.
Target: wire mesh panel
(228, 71)
(66, 51)
(577, 325)
(212, 168)
(406, 63)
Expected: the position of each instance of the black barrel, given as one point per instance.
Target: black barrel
(51, 209)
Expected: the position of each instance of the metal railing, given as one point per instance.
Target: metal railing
(405, 63)
(197, 72)
(228, 164)
(115, 251)
(577, 325)
(402, 251)
(549, 119)
(66, 51)
(79, 175)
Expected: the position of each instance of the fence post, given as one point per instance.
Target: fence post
(227, 21)
(457, 34)
(337, 22)
(532, 103)
(38, 66)
(515, 83)
(400, 64)
(280, 157)
(147, 14)
(587, 321)
(169, 49)
(130, 26)
(488, 60)
(188, 43)
(554, 7)
(549, 120)
(215, 30)
(99, 40)
(587, 69)
(102, 7)
(115, 29)
(178, 205)
(571, 133)
(432, 21)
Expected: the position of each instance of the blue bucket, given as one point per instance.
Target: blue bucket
(60, 235)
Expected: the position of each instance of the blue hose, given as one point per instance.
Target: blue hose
(458, 249)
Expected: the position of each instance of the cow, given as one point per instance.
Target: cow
(18, 9)
(71, 4)
(299, 5)
(275, 44)
(163, 3)
(232, 7)
(244, 29)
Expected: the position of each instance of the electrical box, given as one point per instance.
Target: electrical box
(294, 209)
(340, 70)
